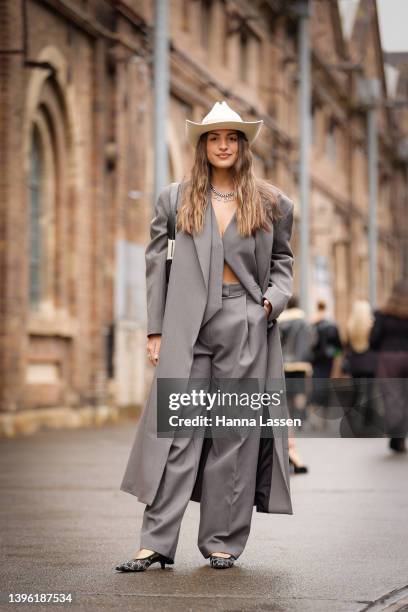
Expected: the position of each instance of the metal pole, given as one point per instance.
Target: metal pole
(373, 199)
(304, 124)
(161, 96)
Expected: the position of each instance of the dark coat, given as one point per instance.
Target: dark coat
(359, 364)
(389, 337)
(389, 333)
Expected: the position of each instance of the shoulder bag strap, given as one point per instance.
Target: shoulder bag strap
(171, 221)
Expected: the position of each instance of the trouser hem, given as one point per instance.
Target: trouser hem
(152, 546)
(206, 552)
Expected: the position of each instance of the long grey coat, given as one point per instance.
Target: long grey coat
(178, 318)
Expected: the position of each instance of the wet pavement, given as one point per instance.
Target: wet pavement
(65, 524)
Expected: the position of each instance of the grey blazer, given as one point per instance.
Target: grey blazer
(280, 280)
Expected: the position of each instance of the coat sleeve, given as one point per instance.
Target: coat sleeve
(155, 258)
(280, 286)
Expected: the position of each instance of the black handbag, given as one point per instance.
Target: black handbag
(171, 228)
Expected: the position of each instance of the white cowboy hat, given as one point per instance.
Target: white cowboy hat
(221, 116)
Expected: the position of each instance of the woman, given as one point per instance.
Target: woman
(327, 346)
(359, 359)
(297, 339)
(231, 276)
(359, 362)
(389, 336)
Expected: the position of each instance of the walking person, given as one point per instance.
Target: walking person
(231, 277)
(326, 348)
(359, 361)
(389, 336)
(297, 339)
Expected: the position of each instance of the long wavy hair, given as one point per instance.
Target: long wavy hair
(257, 199)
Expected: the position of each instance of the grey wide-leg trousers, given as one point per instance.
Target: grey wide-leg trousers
(232, 344)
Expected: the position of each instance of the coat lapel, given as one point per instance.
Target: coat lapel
(263, 249)
(202, 242)
(263, 252)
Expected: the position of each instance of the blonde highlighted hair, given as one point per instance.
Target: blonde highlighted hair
(359, 325)
(257, 199)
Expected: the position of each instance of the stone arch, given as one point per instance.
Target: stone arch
(55, 58)
(50, 106)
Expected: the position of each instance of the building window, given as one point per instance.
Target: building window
(36, 190)
(243, 57)
(50, 252)
(250, 57)
(331, 140)
(205, 24)
(185, 15)
(225, 38)
(313, 121)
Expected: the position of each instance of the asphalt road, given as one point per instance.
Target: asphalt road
(65, 524)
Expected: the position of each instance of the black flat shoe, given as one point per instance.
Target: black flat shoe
(140, 565)
(221, 562)
(296, 468)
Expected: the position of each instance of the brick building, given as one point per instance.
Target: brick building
(77, 162)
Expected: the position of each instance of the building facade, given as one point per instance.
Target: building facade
(77, 181)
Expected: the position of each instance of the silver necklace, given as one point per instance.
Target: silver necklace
(222, 196)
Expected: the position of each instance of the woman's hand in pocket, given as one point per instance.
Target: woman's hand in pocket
(267, 306)
(153, 348)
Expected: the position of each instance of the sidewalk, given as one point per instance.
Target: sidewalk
(65, 524)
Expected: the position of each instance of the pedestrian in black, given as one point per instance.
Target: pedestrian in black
(359, 361)
(389, 336)
(327, 346)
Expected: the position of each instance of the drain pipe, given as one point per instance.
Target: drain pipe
(161, 96)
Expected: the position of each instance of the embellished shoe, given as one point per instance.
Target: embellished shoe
(221, 562)
(140, 565)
